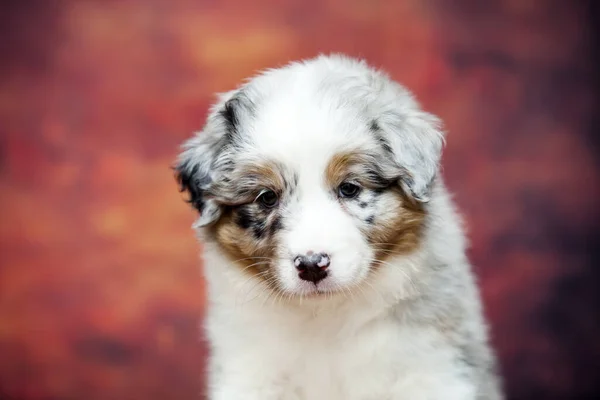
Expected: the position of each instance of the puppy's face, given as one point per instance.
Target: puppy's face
(311, 176)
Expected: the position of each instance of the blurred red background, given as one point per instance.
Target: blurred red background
(101, 295)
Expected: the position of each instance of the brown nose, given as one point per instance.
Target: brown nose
(312, 266)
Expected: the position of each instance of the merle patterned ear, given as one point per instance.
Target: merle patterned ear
(415, 140)
(202, 159)
(194, 178)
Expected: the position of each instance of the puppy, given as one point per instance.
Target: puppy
(334, 257)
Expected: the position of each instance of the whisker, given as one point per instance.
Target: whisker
(406, 275)
(268, 291)
(255, 264)
(253, 258)
(374, 289)
(256, 283)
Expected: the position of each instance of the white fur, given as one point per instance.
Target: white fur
(411, 330)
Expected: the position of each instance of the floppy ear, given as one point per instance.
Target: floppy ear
(415, 139)
(207, 156)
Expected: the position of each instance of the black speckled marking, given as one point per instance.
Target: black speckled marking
(244, 218)
(257, 220)
(291, 182)
(376, 179)
(276, 226)
(229, 115)
(259, 229)
(190, 180)
(195, 178)
(374, 126)
(376, 129)
(467, 360)
(363, 204)
(370, 220)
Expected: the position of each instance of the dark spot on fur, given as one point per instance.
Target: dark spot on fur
(227, 166)
(259, 229)
(376, 129)
(374, 126)
(370, 219)
(465, 357)
(291, 182)
(253, 220)
(378, 182)
(276, 226)
(229, 115)
(385, 145)
(243, 218)
(363, 204)
(408, 180)
(191, 182)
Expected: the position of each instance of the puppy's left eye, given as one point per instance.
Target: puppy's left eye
(348, 190)
(268, 199)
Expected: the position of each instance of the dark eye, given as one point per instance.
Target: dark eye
(268, 198)
(348, 190)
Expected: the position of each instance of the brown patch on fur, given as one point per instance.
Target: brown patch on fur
(246, 250)
(346, 165)
(338, 168)
(243, 249)
(266, 175)
(400, 233)
(360, 167)
(249, 180)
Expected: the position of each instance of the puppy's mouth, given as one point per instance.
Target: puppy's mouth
(326, 287)
(318, 291)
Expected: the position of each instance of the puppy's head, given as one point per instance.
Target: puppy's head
(309, 177)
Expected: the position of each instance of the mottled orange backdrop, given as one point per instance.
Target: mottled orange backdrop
(101, 295)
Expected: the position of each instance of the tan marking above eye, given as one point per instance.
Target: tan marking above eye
(267, 175)
(252, 177)
(339, 167)
(352, 166)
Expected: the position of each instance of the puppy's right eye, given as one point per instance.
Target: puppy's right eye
(268, 199)
(348, 190)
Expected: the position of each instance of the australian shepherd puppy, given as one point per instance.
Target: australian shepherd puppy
(334, 257)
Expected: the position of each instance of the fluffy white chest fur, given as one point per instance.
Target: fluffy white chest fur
(360, 350)
(334, 259)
